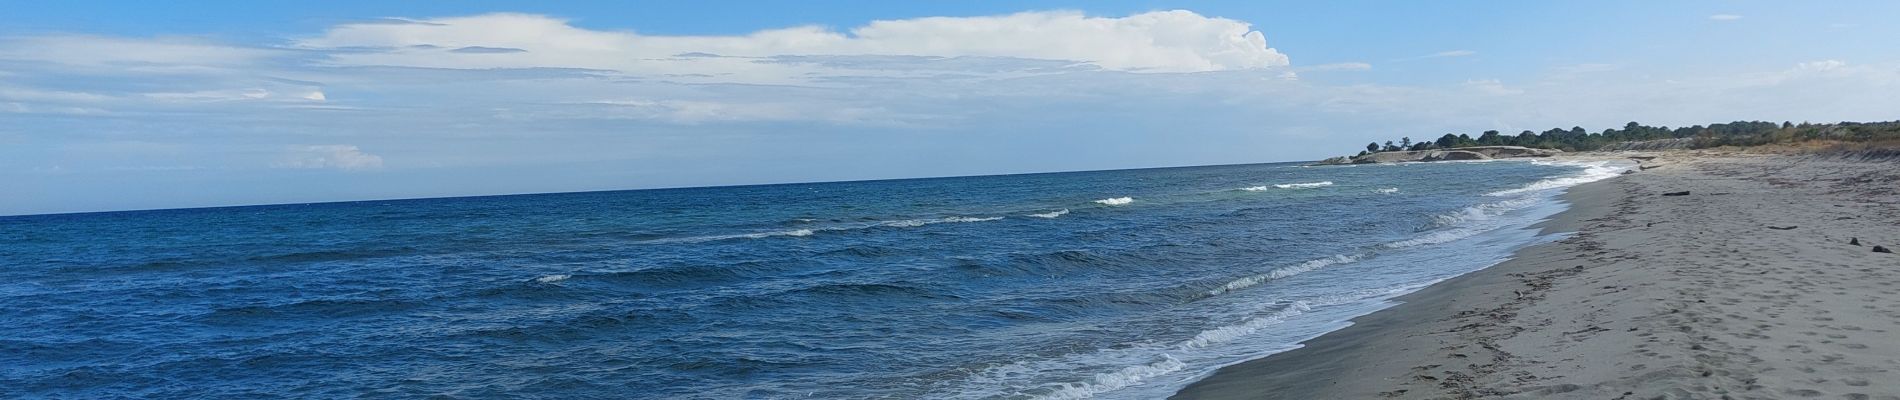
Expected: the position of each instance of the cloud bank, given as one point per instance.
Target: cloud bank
(1161, 41)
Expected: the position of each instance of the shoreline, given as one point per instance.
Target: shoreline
(1647, 297)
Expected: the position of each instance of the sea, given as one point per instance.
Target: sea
(1125, 284)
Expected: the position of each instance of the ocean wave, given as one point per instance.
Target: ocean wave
(1308, 185)
(1109, 382)
(910, 223)
(1115, 201)
(1228, 333)
(1051, 214)
(907, 223)
(1445, 236)
(1255, 188)
(758, 235)
(1281, 273)
(1251, 325)
(552, 278)
(1386, 191)
(1592, 172)
(1480, 212)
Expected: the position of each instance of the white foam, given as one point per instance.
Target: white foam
(1445, 236)
(1309, 185)
(552, 278)
(1051, 214)
(794, 232)
(1255, 188)
(1251, 325)
(907, 223)
(921, 222)
(1281, 273)
(1116, 201)
(1112, 381)
(755, 235)
(1386, 191)
(1482, 212)
(1592, 172)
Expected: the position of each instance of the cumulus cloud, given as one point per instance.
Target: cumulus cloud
(1724, 17)
(1161, 41)
(336, 156)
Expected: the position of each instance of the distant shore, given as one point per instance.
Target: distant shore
(1746, 286)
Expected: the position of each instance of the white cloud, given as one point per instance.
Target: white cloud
(128, 53)
(1162, 41)
(1492, 87)
(1823, 65)
(338, 156)
(1724, 17)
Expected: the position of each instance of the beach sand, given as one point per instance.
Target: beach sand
(1745, 288)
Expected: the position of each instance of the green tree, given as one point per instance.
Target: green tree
(1372, 147)
(1490, 138)
(1447, 141)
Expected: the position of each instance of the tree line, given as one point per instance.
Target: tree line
(1738, 133)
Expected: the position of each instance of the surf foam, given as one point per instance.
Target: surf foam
(1116, 201)
(1309, 185)
(1592, 172)
(1051, 214)
(1281, 273)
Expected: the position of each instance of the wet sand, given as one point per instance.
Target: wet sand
(1747, 288)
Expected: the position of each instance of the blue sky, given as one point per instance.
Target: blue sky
(137, 105)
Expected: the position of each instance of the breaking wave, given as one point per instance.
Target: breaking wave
(1386, 191)
(907, 223)
(1281, 273)
(1116, 201)
(1592, 172)
(921, 222)
(1309, 185)
(1051, 214)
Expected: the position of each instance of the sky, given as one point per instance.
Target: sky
(146, 105)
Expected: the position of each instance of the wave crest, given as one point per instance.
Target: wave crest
(1051, 214)
(1281, 273)
(1115, 201)
(1308, 185)
(1592, 172)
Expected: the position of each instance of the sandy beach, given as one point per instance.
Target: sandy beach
(1747, 287)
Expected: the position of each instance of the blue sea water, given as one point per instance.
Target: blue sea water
(1109, 284)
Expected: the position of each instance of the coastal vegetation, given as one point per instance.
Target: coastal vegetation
(1738, 133)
